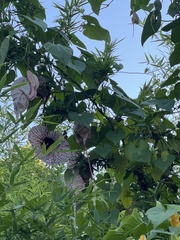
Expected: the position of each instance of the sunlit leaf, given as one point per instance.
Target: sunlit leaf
(59, 51)
(151, 26)
(93, 30)
(96, 5)
(159, 214)
(37, 21)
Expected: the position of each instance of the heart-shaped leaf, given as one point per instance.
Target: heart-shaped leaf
(138, 151)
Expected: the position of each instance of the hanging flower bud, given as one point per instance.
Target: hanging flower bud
(34, 84)
(135, 18)
(82, 133)
(20, 96)
(25, 93)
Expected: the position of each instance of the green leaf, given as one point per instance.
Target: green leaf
(54, 145)
(10, 135)
(95, 5)
(175, 237)
(83, 118)
(13, 87)
(117, 66)
(75, 40)
(133, 224)
(141, 4)
(174, 8)
(59, 51)
(122, 95)
(138, 151)
(30, 112)
(177, 91)
(104, 150)
(93, 30)
(37, 21)
(159, 214)
(163, 164)
(4, 50)
(173, 78)
(115, 137)
(18, 150)
(3, 81)
(175, 55)
(11, 117)
(175, 36)
(166, 104)
(114, 193)
(77, 65)
(30, 204)
(114, 234)
(151, 26)
(14, 173)
(114, 216)
(69, 175)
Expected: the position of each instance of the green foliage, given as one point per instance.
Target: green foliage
(96, 5)
(93, 29)
(4, 50)
(153, 22)
(134, 145)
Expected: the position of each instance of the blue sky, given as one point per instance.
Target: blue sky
(116, 19)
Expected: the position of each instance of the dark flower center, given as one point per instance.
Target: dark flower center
(48, 142)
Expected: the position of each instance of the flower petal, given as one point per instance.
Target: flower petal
(34, 84)
(20, 96)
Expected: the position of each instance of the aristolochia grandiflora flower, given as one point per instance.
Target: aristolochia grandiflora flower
(39, 136)
(25, 92)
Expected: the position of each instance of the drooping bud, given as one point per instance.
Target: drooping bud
(20, 95)
(34, 84)
(82, 133)
(135, 18)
